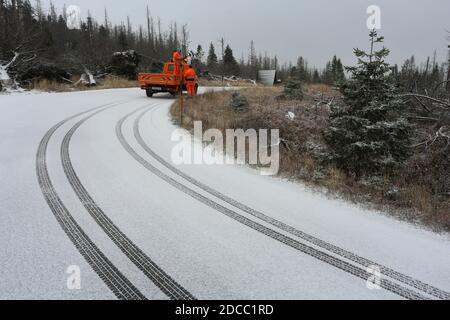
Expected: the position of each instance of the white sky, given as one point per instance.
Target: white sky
(315, 29)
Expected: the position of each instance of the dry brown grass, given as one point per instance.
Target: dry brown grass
(110, 82)
(226, 83)
(49, 86)
(334, 179)
(413, 198)
(117, 82)
(417, 196)
(321, 89)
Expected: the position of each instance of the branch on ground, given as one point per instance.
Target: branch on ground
(415, 95)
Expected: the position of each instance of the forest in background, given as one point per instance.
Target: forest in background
(47, 49)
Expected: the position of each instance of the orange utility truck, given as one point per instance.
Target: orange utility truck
(167, 81)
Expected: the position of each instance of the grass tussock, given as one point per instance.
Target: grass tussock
(410, 195)
(322, 89)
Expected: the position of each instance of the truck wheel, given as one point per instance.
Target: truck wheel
(149, 93)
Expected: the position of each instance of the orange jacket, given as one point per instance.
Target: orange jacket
(177, 57)
(190, 75)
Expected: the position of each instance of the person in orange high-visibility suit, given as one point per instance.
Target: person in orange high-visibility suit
(177, 58)
(190, 77)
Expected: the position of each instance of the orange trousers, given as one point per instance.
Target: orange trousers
(190, 85)
(177, 70)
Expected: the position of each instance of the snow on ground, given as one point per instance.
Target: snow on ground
(209, 254)
(35, 252)
(4, 74)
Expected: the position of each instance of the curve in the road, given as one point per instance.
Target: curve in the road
(121, 287)
(386, 271)
(295, 244)
(157, 275)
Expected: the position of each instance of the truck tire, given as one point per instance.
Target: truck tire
(149, 93)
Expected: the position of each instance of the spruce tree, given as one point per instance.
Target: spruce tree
(334, 72)
(334, 67)
(212, 58)
(230, 64)
(302, 70)
(340, 74)
(293, 88)
(368, 135)
(197, 59)
(199, 54)
(316, 77)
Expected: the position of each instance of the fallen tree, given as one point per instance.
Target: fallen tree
(87, 79)
(432, 116)
(125, 64)
(6, 82)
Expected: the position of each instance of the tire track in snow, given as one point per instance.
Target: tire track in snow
(121, 287)
(386, 271)
(161, 279)
(322, 256)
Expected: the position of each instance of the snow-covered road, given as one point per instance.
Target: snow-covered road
(98, 192)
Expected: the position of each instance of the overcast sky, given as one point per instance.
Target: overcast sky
(315, 29)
